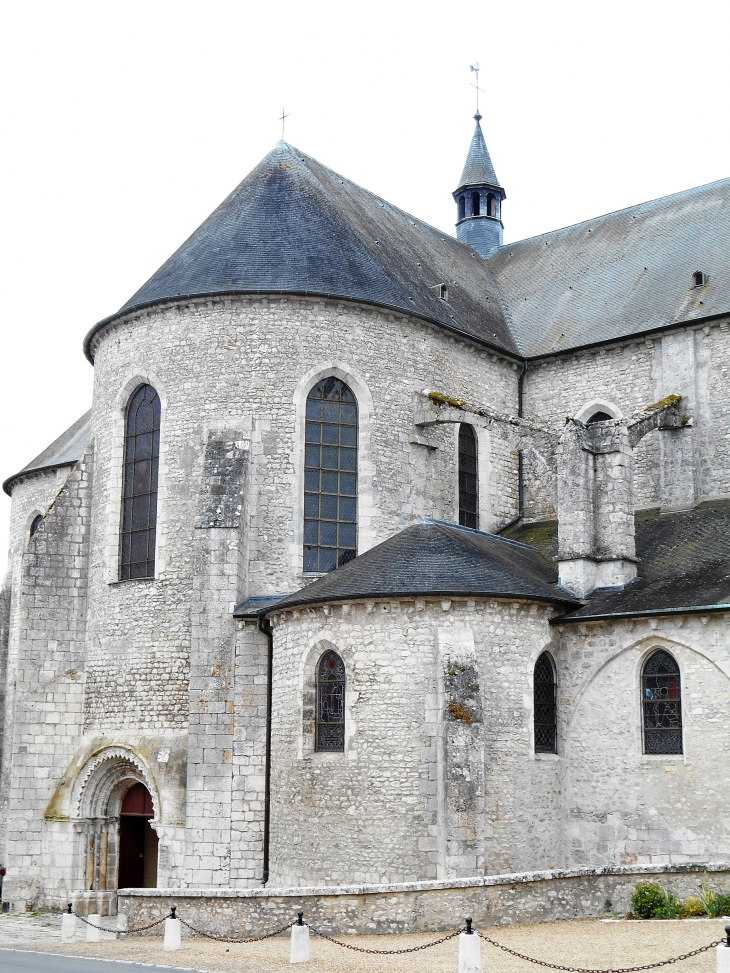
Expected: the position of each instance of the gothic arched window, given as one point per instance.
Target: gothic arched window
(468, 478)
(330, 477)
(545, 705)
(139, 498)
(661, 695)
(35, 524)
(476, 204)
(599, 417)
(462, 207)
(330, 731)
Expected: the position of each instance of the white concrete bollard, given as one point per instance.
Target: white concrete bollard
(723, 958)
(93, 935)
(68, 927)
(470, 955)
(172, 935)
(299, 952)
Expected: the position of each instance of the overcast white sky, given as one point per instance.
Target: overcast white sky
(125, 124)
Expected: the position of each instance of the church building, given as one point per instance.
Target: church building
(381, 555)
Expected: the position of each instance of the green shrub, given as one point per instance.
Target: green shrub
(647, 900)
(693, 907)
(711, 901)
(671, 907)
(723, 904)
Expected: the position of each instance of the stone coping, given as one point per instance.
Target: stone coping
(478, 881)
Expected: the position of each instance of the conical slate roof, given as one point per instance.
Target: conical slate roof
(293, 226)
(64, 451)
(437, 558)
(478, 168)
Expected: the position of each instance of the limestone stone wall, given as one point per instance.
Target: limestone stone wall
(673, 470)
(495, 900)
(623, 806)
(423, 788)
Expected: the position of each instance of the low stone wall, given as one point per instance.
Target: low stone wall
(419, 906)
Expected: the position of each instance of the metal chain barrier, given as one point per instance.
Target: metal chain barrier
(383, 952)
(578, 969)
(104, 928)
(226, 939)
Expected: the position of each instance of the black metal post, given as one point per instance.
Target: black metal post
(727, 935)
(468, 922)
(173, 910)
(70, 908)
(300, 919)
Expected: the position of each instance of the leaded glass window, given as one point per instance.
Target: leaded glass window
(139, 499)
(661, 694)
(330, 733)
(330, 477)
(468, 480)
(545, 706)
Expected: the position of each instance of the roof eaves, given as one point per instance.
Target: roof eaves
(611, 616)
(11, 480)
(145, 305)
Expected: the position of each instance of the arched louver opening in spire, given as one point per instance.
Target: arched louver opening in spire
(476, 204)
(468, 477)
(545, 707)
(330, 477)
(462, 207)
(139, 499)
(661, 693)
(492, 205)
(330, 721)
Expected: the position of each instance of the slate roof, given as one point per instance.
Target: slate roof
(478, 168)
(620, 274)
(684, 562)
(64, 451)
(293, 226)
(439, 559)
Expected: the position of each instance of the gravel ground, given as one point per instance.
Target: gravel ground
(586, 942)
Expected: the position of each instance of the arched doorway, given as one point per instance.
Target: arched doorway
(137, 840)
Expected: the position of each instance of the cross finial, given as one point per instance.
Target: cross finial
(475, 69)
(283, 118)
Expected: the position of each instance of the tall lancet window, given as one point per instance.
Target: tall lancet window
(545, 709)
(139, 499)
(661, 693)
(468, 478)
(330, 733)
(330, 477)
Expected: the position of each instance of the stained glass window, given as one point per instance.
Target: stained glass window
(330, 477)
(330, 733)
(545, 710)
(661, 694)
(139, 499)
(468, 488)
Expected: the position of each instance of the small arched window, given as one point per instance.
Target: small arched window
(330, 730)
(698, 278)
(35, 523)
(462, 207)
(599, 417)
(476, 204)
(491, 205)
(139, 499)
(468, 477)
(661, 696)
(545, 705)
(330, 477)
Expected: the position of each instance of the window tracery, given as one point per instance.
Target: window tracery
(545, 706)
(330, 477)
(330, 717)
(139, 497)
(661, 696)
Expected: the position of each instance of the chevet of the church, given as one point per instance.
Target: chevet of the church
(381, 556)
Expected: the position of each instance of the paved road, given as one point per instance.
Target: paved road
(20, 962)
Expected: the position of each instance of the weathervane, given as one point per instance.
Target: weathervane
(476, 71)
(284, 116)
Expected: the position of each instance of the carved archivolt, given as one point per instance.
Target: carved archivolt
(97, 792)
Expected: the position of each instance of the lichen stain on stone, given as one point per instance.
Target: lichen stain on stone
(672, 399)
(441, 399)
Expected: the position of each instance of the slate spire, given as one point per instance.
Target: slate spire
(479, 198)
